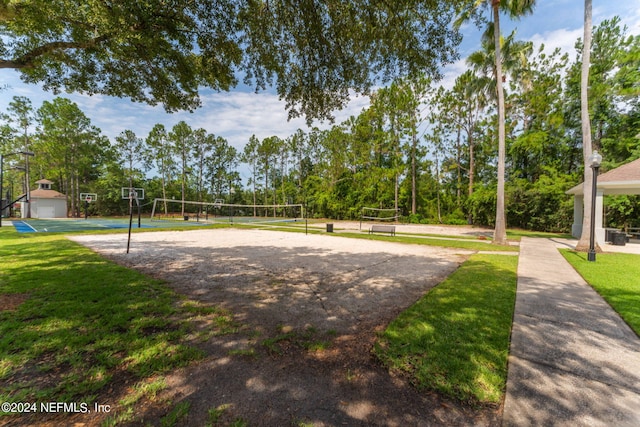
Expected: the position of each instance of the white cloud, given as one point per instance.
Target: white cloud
(562, 38)
(238, 115)
(451, 73)
(632, 20)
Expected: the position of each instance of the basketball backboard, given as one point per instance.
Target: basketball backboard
(88, 197)
(132, 193)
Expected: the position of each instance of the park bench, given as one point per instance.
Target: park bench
(391, 229)
(633, 232)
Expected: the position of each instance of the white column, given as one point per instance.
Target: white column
(599, 215)
(578, 214)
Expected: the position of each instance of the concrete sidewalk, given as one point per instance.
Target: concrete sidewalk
(573, 361)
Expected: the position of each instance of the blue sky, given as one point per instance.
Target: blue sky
(238, 114)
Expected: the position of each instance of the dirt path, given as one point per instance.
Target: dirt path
(311, 306)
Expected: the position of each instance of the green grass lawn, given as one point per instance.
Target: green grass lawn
(86, 323)
(515, 234)
(455, 339)
(614, 276)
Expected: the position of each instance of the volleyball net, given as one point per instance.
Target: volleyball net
(377, 214)
(220, 212)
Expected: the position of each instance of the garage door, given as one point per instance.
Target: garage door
(46, 212)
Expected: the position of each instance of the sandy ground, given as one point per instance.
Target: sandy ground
(344, 290)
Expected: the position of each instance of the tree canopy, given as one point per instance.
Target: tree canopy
(160, 52)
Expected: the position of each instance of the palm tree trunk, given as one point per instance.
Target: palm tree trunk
(587, 148)
(500, 232)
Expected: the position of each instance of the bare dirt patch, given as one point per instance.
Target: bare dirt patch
(311, 306)
(10, 302)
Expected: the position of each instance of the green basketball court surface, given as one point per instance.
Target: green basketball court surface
(64, 225)
(68, 225)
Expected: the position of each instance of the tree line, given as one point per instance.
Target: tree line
(428, 151)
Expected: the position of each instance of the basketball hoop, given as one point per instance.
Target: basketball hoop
(88, 197)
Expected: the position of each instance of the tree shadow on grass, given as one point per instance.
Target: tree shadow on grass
(456, 338)
(86, 325)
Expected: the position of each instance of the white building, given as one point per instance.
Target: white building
(45, 202)
(622, 180)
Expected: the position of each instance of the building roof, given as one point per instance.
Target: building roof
(46, 194)
(629, 172)
(42, 193)
(621, 180)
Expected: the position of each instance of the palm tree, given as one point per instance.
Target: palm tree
(515, 9)
(587, 148)
(515, 56)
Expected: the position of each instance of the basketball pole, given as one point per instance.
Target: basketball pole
(130, 218)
